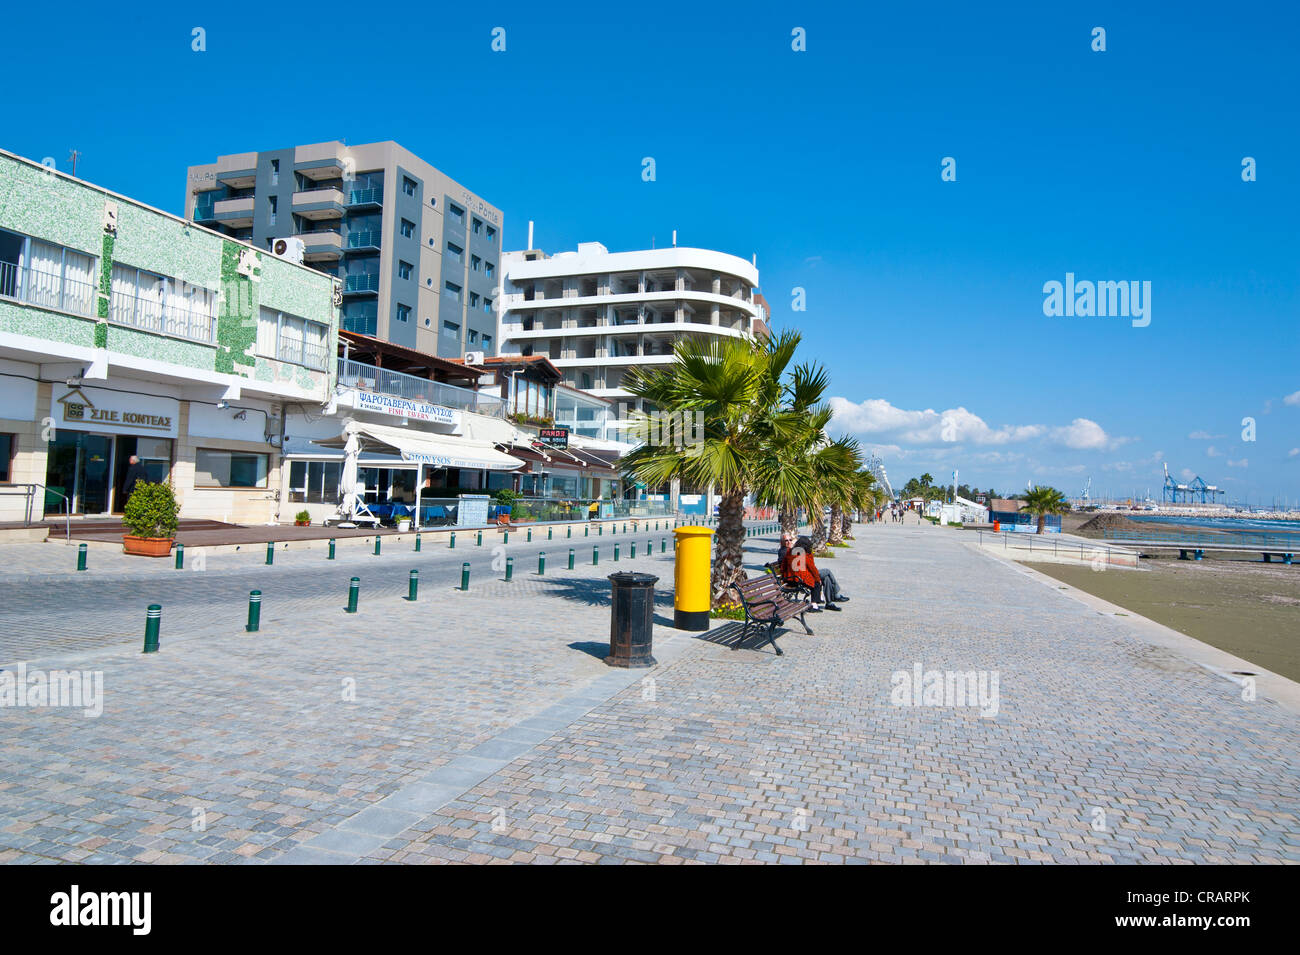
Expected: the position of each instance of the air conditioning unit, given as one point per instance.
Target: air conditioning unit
(473, 357)
(291, 248)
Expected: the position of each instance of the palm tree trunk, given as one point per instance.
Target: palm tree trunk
(848, 524)
(1042, 523)
(729, 547)
(789, 521)
(818, 530)
(837, 525)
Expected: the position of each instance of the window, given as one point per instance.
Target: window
(450, 330)
(409, 185)
(487, 343)
(454, 252)
(456, 212)
(488, 269)
(487, 305)
(8, 443)
(491, 233)
(46, 275)
(274, 204)
(157, 303)
(292, 339)
(275, 172)
(403, 270)
(475, 262)
(473, 337)
(452, 291)
(314, 482)
(408, 229)
(214, 468)
(478, 225)
(403, 313)
(473, 299)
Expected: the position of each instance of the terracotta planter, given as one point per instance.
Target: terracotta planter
(302, 523)
(147, 546)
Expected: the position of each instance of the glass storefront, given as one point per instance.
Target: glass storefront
(89, 470)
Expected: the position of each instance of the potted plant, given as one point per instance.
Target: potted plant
(403, 524)
(151, 517)
(302, 518)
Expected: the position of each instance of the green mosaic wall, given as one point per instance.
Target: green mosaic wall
(42, 204)
(52, 326)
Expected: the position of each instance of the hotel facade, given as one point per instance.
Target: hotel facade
(596, 314)
(418, 255)
(126, 331)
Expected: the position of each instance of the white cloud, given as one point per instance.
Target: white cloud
(1244, 462)
(1292, 399)
(1213, 452)
(1206, 436)
(876, 416)
(1293, 452)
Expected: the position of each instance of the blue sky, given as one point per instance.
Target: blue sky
(922, 295)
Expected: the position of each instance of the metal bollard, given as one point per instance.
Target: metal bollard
(354, 594)
(180, 556)
(510, 569)
(616, 553)
(529, 539)
(548, 532)
(480, 539)
(452, 543)
(507, 537)
(417, 542)
(413, 588)
(270, 553)
(625, 527)
(331, 553)
(632, 554)
(569, 535)
(600, 530)
(541, 564)
(376, 544)
(663, 545)
(649, 548)
(586, 531)
(152, 624)
(254, 611)
(81, 557)
(570, 558)
(464, 576)
(595, 555)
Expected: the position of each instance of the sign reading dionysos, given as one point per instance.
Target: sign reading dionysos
(404, 408)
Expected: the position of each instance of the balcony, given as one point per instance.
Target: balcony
(355, 374)
(366, 240)
(318, 204)
(366, 323)
(236, 213)
(361, 285)
(203, 203)
(360, 198)
(323, 246)
(321, 160)
(47, 289)
(238, 171)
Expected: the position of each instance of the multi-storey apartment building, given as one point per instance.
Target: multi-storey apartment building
(595, 313)
(418, 254)
(129, 331)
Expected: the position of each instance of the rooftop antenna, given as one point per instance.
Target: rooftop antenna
(74, 156)
(674, 238)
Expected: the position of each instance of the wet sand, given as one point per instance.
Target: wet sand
(1243, 606)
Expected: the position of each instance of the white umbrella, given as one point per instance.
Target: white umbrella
(348, 477)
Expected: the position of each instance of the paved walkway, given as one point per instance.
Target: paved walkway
(484, 727)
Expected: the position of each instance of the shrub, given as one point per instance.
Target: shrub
(728, 611)
(505, 496)
(152, 511)
(303, 517)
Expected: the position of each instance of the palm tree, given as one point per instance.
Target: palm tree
(833, 465)
(784, 475)
(1042, 501)
(733, 387)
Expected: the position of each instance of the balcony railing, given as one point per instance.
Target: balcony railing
(365, 239)
(361, 283)
(167, 318)
(203, 209)
(367, 324)
(47, 289)
(366, 197)
(355, 374)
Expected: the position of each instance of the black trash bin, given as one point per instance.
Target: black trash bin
(631, 620)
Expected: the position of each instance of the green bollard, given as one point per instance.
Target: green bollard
(331, 553)
(354, 594)
(625, 527)
(595, 555)
(569, 535)
(480, 539)
(632, 554)
(586, 531)
(570, 558)
(417, 542)
(452, 544)
(376, 544)
(649, 548)
(506, 539)
(510, 569)
(529, 540)
(152, 624)
(180, 556)
(81, 557)
(254, 611)
(616, 553)
(663, 545)
(413, 587)
(464, 576)
(541, 564)
(270, 553)
(600, 530)
(548, 532)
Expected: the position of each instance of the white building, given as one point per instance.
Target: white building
(595, 313)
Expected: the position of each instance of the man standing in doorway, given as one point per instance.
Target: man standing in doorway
(135, 473)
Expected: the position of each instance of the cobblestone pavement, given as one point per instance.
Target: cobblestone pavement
(482, 727)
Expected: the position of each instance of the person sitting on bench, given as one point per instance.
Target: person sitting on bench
(799, 565)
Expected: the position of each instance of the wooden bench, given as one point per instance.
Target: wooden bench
(767, 607)
(794, 587)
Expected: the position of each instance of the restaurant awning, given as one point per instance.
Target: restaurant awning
(439, 451)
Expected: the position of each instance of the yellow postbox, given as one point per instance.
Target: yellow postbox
(692, 578)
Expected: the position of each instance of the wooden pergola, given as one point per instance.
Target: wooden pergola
(408, 361)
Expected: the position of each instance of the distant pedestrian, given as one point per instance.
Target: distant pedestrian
(135, 473)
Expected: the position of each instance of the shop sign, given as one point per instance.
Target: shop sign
(84, 408)
(404, 408)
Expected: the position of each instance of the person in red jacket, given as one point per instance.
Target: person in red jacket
(799, 565)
